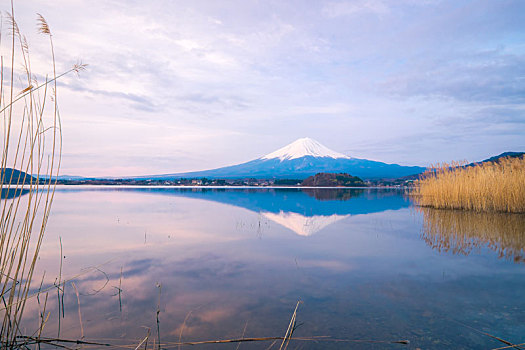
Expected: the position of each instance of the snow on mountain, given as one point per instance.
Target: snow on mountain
(300, 159)
(304, 147)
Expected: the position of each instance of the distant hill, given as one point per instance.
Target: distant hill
(15, 176)
(498, 157)
(491, 159)
(333, 180)
(67, 177)
(303, 158)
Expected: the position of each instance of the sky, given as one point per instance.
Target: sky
(175, 86)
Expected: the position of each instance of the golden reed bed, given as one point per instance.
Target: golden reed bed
(498, 186)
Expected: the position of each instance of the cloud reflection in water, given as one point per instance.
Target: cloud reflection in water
(366, 274)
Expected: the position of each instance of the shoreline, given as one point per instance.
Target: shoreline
(225, 187)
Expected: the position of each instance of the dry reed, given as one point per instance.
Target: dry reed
(492, 186)
(32, 141)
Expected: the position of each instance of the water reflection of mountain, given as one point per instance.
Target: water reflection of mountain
(461, 232)
(307, 202)
(304, 211)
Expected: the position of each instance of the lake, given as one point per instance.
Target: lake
(231, 263)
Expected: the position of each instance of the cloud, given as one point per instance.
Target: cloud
(211, 84)
(489, 76)
(502, 115)
(350, 8)
(141, 103)
(222, 100)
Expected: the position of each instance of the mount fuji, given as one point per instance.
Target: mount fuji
(300, 159)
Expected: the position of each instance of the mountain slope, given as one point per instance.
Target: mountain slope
(14, 176)
(303, 158)
(491, 159)
(498, 157)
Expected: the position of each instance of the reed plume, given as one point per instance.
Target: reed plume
(32, 143)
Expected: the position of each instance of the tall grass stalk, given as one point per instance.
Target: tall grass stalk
(492, 186)
(32, 143)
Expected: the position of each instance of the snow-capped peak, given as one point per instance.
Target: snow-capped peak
(304, 147)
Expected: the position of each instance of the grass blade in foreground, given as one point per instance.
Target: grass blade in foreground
(28, 172)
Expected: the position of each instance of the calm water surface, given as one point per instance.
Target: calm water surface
(223, 263)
